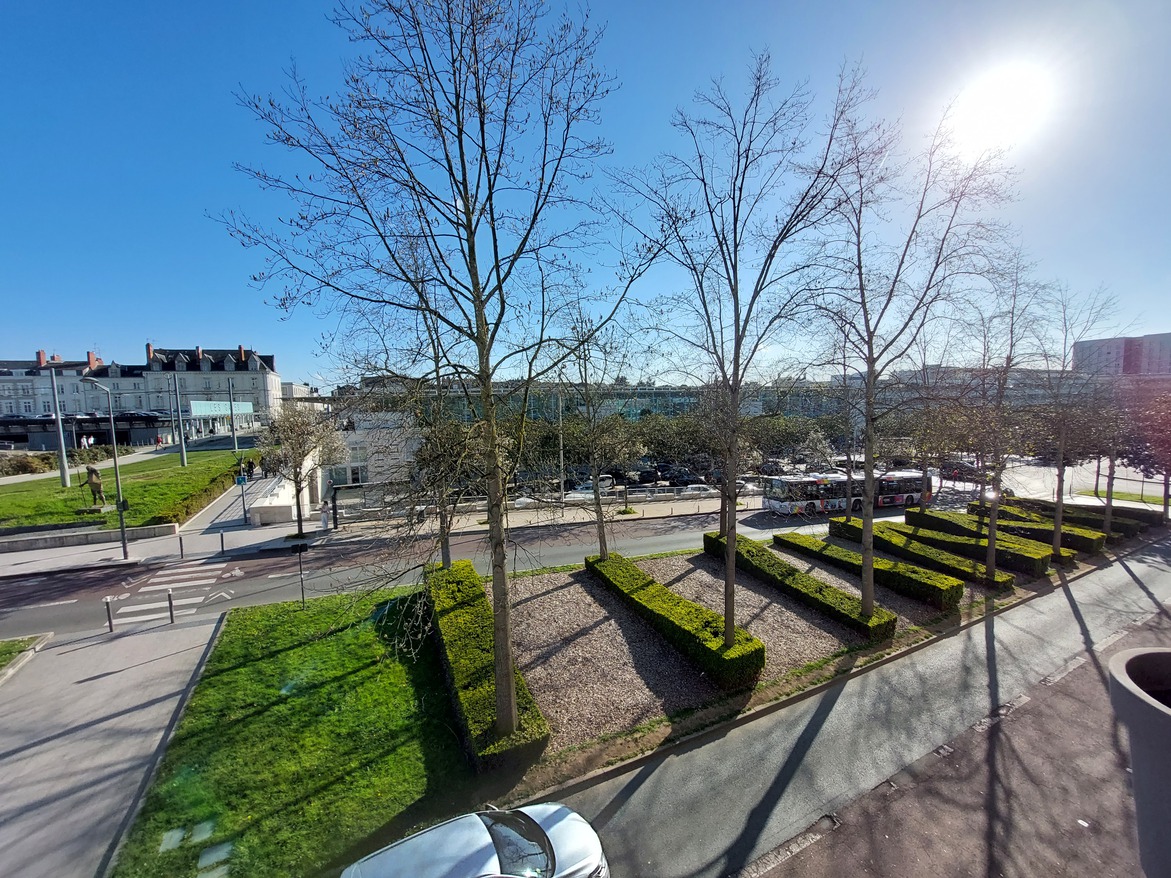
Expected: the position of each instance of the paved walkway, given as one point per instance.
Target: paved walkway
(84, 721)
(1044, 790)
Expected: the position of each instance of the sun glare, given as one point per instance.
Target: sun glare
(1003, 108)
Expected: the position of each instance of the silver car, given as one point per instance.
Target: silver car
(534, 841)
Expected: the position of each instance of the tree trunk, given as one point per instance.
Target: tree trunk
(868, 503)
(504, 673)
(1059, 501)
(297, 488)
(993, 516)
(445, 519)
(730, 469)
(1166, 496)
(1112, 464)
(723, 512)
(599, 513)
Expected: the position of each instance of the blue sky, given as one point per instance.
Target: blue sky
(118, 130)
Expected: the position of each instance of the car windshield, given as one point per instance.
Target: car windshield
(521, 846)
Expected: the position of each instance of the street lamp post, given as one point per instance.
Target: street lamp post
(117, 474)
(179, 415)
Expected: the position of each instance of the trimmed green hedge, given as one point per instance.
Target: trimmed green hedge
(755, 558)
(463, 622)
(1120, 528)
(1024, 556)
(937, 589)
(922, 554)
(1127, 519)
(694, 630)
(1072, 537)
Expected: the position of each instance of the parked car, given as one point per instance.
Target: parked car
(691, 492)
(534, 841)
(681, 478)
(747, 489)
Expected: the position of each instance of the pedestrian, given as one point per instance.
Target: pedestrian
(251, 468)
(324, 515)
(158, 443)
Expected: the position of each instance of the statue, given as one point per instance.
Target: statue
(94, 481)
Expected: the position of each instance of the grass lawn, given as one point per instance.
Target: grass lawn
(308, 744)
(1154, 497)
(10, 649)
(158, 490)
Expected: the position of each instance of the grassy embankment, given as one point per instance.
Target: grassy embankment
(158, 491)
(307, 743)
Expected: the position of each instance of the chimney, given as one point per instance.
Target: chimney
(41, 358)
(56, 358)
(198, 353)
(93, 361)
(150, 352)
(241, 353)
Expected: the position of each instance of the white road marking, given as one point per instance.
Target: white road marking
(134, 608)
(167, 585)
(52, 604)
(162, 577)
(275, 575)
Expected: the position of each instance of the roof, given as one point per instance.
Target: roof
(167, 357)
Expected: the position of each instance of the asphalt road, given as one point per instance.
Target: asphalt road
(713, 807)
(74, 601)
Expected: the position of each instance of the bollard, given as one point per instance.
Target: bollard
(181, 555)
(109, 615)
(222, 550)
(171, 605)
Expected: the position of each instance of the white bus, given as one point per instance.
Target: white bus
(808, 494)
(899, 488)
(815, 493)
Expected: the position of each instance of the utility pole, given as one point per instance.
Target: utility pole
(179, 412)
(232, 419)
(561, 443)
(62, 459)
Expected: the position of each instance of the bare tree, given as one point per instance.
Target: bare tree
(1066, 392)
(298, 442)
(448, 182)
(732, 211)
(908, 233)
(596, 360)
(997, 425)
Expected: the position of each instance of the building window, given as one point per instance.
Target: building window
(27, 406)
(207, 384)
(46, 407)
(7, 408)
(114, 385)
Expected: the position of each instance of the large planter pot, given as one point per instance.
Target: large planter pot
(1140, 690)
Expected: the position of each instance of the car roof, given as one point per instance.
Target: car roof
(461, 846)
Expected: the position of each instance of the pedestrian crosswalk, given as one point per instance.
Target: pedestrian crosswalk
(190, 575)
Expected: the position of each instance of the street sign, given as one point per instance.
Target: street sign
(241, 480)
(298, 548)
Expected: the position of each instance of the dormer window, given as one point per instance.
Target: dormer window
(205, 364)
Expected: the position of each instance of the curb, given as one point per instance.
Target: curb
(26, 656)
(719, 729)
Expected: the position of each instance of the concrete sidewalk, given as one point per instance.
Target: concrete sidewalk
(84, 723)
(1043, 790)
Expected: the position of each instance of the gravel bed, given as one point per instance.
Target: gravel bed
(593, 666)
(793, 634)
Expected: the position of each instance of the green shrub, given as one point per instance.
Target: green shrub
(1120, 528)
(937, 589)
(922, 554)
(1072, 537)
(755, 558)
(1024, 556)
(1126, 519)
(463, 622)
(694, 630)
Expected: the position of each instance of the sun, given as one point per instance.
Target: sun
(1002, 108)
